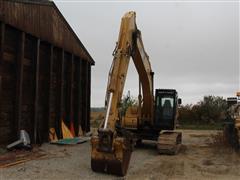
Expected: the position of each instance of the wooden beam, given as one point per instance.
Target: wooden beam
(61, 109)
(11, 58)
(0, 86)
(89, 97)
(82, 94)
(19, 82)
(79, 93)
(2, 38)
(62, 84)
(71, 90)
(50, 85)
(86, 96)
(0, 91)
(36, 93)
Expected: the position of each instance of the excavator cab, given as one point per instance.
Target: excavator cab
(166, 103)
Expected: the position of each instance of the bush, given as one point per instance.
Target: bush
(126, 102)
(210, 110)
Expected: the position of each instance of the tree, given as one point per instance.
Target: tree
(126, 102)
(211, 109)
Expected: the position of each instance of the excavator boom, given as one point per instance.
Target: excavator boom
(111, 152)
(112, 146)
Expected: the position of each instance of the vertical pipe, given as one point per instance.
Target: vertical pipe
(36, 94)
(139, 102)
(108, 110)
(19, 74)
(152, 79)
(152, 108)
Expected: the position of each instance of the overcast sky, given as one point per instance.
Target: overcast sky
(193, 46)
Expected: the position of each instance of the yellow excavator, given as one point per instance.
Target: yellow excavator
(232, 124)
(152, 119)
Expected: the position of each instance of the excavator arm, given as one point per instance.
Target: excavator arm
(111, 151)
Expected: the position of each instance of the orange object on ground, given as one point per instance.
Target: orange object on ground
(52, 135)
(65, 131)
(72, 128)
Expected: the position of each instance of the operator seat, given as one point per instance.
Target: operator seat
(167, 109)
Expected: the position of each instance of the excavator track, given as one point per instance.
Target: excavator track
(115, 162)
(169, 142)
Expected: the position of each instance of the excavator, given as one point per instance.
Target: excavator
(152, 119)
(231, 128)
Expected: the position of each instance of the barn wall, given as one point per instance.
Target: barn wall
(40, 85)
(45, 21)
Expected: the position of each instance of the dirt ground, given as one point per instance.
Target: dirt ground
(198, 159)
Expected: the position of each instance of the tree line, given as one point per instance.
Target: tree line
(210, 110)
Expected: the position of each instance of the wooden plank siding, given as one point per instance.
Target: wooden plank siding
(2, 36)
(44, 21)
(19, 82)
(89, 98)
(36, 89)
(40, 85)
(45, 72)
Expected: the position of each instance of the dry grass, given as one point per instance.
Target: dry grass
(220, 143)
(96, 118)
(97, 115)
(219, 140)
(199, 135)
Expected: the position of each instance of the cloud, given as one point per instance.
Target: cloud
(193, 46)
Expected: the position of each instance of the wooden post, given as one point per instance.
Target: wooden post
(19, 74)
(86, 95)
(62, 85)
(89, 97)
(61, 109)
(71, 92)
(50, 85)
(80, 94)
(2, 37)
(36, 94)
(0, 86)
(82, 97)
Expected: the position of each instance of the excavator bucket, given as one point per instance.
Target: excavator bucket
(114, 161)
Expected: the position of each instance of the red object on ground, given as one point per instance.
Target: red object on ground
(72, 128)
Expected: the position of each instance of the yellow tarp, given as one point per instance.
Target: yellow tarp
(66, 132)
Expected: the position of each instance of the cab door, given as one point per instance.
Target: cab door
(165, 110)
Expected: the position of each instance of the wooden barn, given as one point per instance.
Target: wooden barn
(45, 72)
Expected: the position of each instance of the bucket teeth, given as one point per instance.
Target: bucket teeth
(113, 166)
(115, 162)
